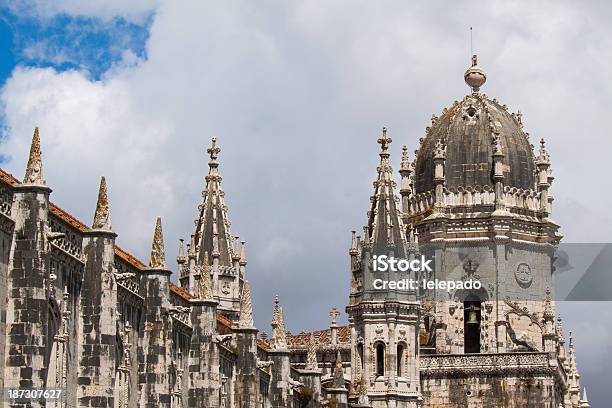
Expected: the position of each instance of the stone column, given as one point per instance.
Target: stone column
(154, 359)
(98, 315)
(203, 366)
(247, 383)
(27, 306)
(281, 371)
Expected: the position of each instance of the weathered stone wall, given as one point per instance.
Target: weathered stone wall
(98, 314)
(6, 239)
(489, 391)
(27, 306)
(203, 356)
(154, 357)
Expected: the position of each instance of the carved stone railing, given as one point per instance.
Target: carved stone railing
(6, 201)
(181, 314)
(487, 364)
(65, 238)
(227, 270)
(477, 196)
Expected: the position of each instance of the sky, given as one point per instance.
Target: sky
(297, 94)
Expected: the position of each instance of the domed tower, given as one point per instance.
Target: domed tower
(478, 198)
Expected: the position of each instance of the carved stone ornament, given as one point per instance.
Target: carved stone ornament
(34, 168)
(523, 275)
(158, 256)
(101, 216)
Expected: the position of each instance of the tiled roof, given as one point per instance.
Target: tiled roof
(8, 178)
(322, 337)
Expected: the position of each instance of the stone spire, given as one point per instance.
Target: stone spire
(584, 402)
(246, 307)
(34, 169)
(404, 171)
(101, 219)
(205, 285)
(212, 232)
(385, 228)
(158, 256)
(338, 372)
(279, 335)
(311, 356)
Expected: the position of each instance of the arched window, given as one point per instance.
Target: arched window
(401, 356)
(380, 359)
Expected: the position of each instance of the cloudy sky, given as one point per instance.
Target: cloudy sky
(297, 94)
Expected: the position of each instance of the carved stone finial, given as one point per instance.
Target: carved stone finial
(102, 217)
(475, 77)
(405, 164)
(440, 150)
(333, 313)
(311, 356)
(158, 256)
(246, 307)
(279, 335)
(34, 168)
(205, 289)
(181, 257)
(384, 142)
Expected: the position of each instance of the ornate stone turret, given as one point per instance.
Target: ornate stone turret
(156, 286)
(279, 335)
(98, 307)
(543, 165)
(383, 321)
(212, 235)
(385, 227)
(405, 171)
(27, 275)
(280, 356)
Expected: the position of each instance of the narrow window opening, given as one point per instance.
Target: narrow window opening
(380, 359)
(400, 360)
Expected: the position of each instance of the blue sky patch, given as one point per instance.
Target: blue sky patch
(67, 42)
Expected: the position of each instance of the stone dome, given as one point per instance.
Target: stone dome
(467, 129)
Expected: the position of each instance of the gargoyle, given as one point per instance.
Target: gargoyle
(264, 364)
(223, 338)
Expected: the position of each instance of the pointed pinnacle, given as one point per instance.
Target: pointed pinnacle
(205, 289)
(246, 307)
(101, 216)
(243, 259)
(158, 256)
(34, 168)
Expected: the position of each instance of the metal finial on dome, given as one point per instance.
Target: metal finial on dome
(475, 77)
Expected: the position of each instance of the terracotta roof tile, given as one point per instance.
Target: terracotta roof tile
(322, 337)
(180, 291)
(8, 178)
